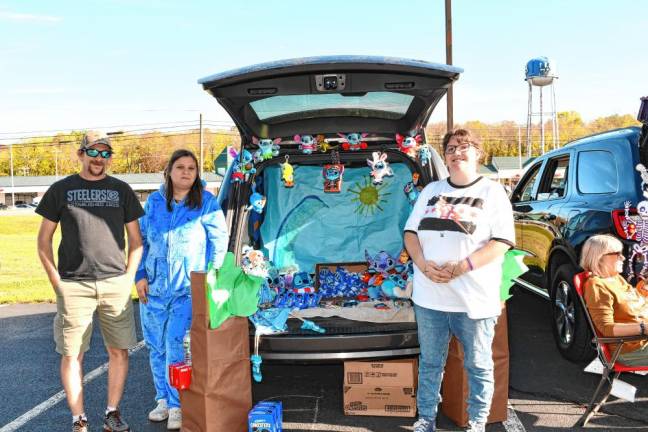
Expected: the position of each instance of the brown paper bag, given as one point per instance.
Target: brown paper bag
(220, 395)
(455, 379)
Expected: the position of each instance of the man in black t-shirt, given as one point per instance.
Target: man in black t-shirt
(93, 271)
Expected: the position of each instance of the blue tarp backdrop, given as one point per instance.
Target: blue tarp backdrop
(304, 226)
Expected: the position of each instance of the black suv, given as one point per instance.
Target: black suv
(373, 97)
(566, 196)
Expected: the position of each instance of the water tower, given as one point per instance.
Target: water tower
(540, 72)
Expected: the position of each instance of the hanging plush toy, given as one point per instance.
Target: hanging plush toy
(257, 201)
(411, 189)
(267, 148)
(287, 173)
(307, 143)
(242, 165)
(409, 144)
(333, 174)
(379, 167)
(353, 141)
(425, 154)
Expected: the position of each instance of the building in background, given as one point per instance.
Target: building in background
(30, 189)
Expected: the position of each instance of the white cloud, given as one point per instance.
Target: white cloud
(23, 17)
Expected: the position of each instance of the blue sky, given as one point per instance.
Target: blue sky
(80, 64)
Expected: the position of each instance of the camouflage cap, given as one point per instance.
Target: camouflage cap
(93, 138)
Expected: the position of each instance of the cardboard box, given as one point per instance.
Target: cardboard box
(386, 388)
(455, 379)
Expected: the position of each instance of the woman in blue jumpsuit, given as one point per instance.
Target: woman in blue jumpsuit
(183, 230)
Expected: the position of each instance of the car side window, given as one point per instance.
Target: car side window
(597, 172)
(554, 185)
(525, 192)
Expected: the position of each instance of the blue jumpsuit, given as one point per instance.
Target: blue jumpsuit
(175, 244)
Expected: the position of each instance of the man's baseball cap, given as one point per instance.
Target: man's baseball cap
(93, 138)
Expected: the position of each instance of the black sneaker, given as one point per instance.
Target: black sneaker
(80, 425)
(114, 423)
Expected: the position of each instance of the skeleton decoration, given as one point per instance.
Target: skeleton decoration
(637, 228)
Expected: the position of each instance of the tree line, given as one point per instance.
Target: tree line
(149, 152)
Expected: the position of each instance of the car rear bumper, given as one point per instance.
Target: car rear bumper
(338, 347)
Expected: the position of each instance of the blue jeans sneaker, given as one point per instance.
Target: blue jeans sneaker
(424, 425)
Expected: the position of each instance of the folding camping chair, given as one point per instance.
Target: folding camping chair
(611, 367)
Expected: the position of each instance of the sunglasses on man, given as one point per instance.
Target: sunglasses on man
(94, 153)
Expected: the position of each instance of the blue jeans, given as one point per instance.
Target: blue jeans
(476, 337)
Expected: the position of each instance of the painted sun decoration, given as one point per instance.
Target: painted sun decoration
(368, 196)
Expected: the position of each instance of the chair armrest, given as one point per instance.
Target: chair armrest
(621, 339)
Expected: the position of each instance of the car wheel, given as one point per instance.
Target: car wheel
(569, 324)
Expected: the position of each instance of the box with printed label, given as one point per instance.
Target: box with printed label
(386, 388)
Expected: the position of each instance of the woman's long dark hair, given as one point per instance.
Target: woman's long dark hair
(194, 197)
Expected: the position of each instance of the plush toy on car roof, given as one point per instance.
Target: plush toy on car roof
(267, 148)
(409, 144)
(307, 143)
(353, 141)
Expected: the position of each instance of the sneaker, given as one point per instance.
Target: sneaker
(175, 419)
(80, 426)
(160, 412)
(476, 427)
(424, 425)
(114, 423)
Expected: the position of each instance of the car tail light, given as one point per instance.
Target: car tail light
(625, 227)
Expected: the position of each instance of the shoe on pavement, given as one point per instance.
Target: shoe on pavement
(476, 427)
(175, 419)
(160, 412)
(80, 425)
(114, 423)
(424, 425)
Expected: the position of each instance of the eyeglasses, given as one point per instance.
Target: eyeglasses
(106, 154)
(462, 148)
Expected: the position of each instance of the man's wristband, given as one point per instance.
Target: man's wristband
(642, 326)
(471, 267)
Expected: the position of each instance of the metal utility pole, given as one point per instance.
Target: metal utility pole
(201, 145)
(13, 197)
(448, 23)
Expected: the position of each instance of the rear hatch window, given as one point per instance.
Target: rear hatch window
(384, 105)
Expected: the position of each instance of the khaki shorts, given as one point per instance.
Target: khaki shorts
(76, 302)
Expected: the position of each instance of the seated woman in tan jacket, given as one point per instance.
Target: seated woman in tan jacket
(616, 307)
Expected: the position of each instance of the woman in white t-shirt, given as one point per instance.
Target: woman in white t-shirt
(457, 235)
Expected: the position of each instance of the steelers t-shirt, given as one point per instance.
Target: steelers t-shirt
(92, 215)
(451, 222)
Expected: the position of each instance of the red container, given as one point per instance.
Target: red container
(180, 375)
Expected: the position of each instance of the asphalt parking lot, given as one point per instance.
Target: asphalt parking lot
(546, 392)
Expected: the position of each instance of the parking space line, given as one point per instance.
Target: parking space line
(512, 423)
(58, 397)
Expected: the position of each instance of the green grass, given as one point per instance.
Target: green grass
(22, 278)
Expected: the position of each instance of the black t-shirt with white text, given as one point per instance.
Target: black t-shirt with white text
(92, 215)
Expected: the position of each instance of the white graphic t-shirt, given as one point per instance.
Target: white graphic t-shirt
(452, 222)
